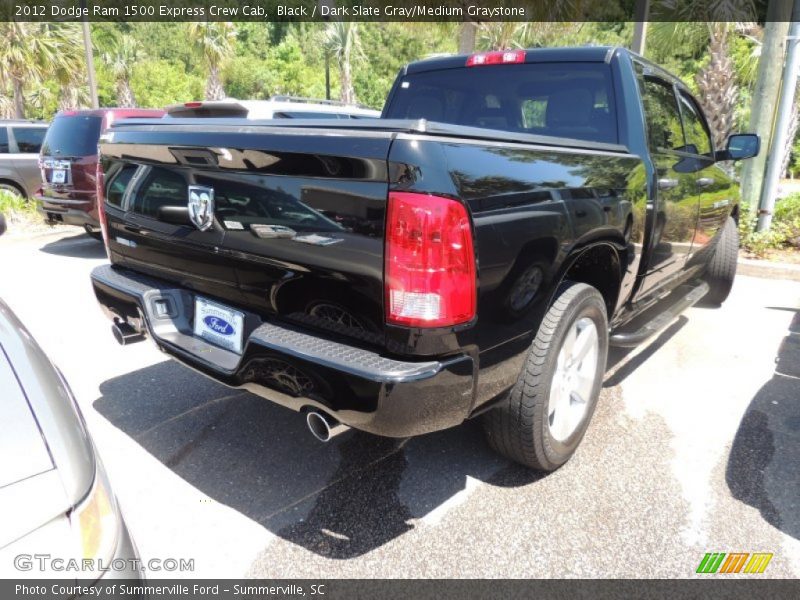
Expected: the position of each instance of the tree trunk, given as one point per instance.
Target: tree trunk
(125, 97)
(66, 100)
(717, 85)
(19, 99)
(466, 37)
(214, 87)
(348, 94)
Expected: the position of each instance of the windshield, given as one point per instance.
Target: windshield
(568, 100)
(72, 136)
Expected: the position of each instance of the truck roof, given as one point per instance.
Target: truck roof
(566, 54)
(534, 55)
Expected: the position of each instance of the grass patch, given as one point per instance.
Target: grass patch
(12, 205)
(20, 213)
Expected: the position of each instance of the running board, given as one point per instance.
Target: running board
(661, 320)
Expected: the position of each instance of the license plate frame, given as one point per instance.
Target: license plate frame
(219, 324)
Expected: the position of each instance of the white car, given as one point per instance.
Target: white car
(277, 107)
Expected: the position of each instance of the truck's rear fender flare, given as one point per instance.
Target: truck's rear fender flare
(598, 264)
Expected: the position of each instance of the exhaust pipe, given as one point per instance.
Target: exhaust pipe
(324, 427)
(125, 334)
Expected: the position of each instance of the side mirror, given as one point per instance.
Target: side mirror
(2, 224)
(740, 146)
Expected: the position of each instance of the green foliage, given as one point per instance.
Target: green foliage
(787, 215)
(12, 205)
(289, 72)
(158, 83)
(783, 233)
(248, 77)
(387, 47)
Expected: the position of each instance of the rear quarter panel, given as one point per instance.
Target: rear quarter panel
(532, 207)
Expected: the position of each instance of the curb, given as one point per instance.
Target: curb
(768, 270)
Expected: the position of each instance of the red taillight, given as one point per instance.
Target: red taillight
(193, 104)
(430, 262)
(500, 57)
(100, 180)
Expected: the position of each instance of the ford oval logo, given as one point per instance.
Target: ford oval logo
(218, 325)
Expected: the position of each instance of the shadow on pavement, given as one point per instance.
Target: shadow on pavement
(619, 356)
(339, 500)
(76, 246)
(764, 464)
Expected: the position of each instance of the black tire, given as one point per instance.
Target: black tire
(519, 427)
(721, 269)
(12, 188)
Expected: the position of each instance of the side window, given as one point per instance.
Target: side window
(698, 140)
(3, 140)
(161, 188)
(662, 114)
(29, 139)
(115, 191)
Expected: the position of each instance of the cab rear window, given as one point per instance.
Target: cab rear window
(568, 100)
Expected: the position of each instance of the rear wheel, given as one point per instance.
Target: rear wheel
(11, 189)
(545, 415)
(722, 266)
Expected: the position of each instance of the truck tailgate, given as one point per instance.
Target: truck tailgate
(298, 217)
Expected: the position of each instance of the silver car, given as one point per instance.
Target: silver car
(20, 142)
(56, 507)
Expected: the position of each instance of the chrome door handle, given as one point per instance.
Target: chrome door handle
(666, 183)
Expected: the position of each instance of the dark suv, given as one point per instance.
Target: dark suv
(68, 163)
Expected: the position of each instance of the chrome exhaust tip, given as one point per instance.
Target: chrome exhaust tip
(125, 334)
(323, 427)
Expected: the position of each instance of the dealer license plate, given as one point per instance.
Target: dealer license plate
(218, 324)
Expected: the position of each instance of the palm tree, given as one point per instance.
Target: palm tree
(215, 40)
(70, 71)
(717, 82)
(122, 56)
(717, 85)
(343, 42)
(31, 51)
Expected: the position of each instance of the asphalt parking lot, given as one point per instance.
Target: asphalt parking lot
(695, 448)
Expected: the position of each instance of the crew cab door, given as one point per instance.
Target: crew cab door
(715, 190)
(674, 211)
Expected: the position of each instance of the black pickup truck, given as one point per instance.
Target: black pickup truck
(472, 252)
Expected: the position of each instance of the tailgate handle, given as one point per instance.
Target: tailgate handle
(132, 229)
